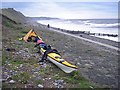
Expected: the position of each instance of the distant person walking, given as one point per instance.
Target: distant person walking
(48, 26)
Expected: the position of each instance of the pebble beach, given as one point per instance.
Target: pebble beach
(97, 63)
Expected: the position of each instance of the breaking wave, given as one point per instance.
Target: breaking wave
(93, 26)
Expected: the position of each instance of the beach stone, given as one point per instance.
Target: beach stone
(17, 42)
(88, 65)
(49, 78)
(9, 64)
(55, 84)
(12, 81)
(78, 64)
(4, 77)
(91, 87)
(11, 71)
(59, 83)
(29, 86)
(21, 65)
(33, 76)
(26, 49)
(38, 76)
(9, 77)
(44, 65)
(79, 57)
(40, 86)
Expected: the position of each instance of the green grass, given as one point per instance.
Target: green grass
(51, 71)
(4, 58)
(9, 24)
(22, 77)
(39, 81)
(45, 71)
(16, 62)
(57, 77)
(75, 79)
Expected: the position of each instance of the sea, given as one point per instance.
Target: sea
(102, 26)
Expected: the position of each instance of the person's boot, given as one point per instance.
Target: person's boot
(41, 62)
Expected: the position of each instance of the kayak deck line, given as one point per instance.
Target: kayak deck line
(62, 61)
(64, 65)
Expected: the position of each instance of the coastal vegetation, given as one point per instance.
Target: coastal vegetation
(20, 67)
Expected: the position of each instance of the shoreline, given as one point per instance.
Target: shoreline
(86, 35)
(97, 63)
(102, 33)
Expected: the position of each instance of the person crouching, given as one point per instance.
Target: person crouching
(39, 43)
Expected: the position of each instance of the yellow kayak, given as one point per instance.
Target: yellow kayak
(61, 63)
(53, 57)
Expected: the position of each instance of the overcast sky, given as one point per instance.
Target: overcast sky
(66, 10)
(60, 0)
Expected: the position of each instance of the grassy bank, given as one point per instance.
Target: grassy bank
(20, 61)
(96, 66)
